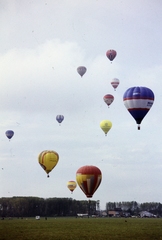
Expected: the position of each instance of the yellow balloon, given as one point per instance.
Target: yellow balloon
(71, 185)
(105, 125)
(48, 160)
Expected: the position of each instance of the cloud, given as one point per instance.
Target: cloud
(31, 78)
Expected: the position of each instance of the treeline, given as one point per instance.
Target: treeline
(50, 207)
(135, 208)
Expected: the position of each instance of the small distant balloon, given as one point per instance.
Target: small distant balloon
(138, 101)
(9, 134)
(111, 54)
(71, 185)
(59, 118)
(105, 125)
(115, 82)
(108, 99)
(48, 159)
(81, 70)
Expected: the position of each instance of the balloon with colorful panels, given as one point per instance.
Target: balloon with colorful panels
(81, 70)
(138, 101)
(105, 125)
(115, 82)
(59, 119)
(71, 185)
(108, 99)
(111, 54)
(48, 159)
(9, 134)
(88, 179)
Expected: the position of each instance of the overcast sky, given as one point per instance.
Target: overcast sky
(42, 43)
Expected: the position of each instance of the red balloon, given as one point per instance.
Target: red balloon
(108, 99)
(88, 179)
(111, 54)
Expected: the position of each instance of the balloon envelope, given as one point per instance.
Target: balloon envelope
(48, 160)
(71, 185)
(108, 99)
(59, 118)
(138, 101)
(81, 70)
(88, 179)
(105, 125)
(9, 134)
(115, 82)
(111, 54)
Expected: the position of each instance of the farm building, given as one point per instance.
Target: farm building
(146, 214)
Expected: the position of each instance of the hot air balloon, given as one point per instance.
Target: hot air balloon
(71, 185)
(105, 125)
(48, 160)
(138, 101)
(108, 99)
(115, 83)
(59, 119)
(111, 54)
(81, 70)
(9, 134)
(88, 179)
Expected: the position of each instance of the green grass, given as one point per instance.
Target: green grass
(81, 229)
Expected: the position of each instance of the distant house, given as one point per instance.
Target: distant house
(113, 213)
(117, 212)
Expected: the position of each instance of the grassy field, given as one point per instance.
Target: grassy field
(81, 228)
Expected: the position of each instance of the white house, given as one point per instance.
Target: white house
(146, 214)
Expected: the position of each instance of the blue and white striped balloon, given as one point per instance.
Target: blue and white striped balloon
(138, 101)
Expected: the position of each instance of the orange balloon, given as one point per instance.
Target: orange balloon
(71, 185)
